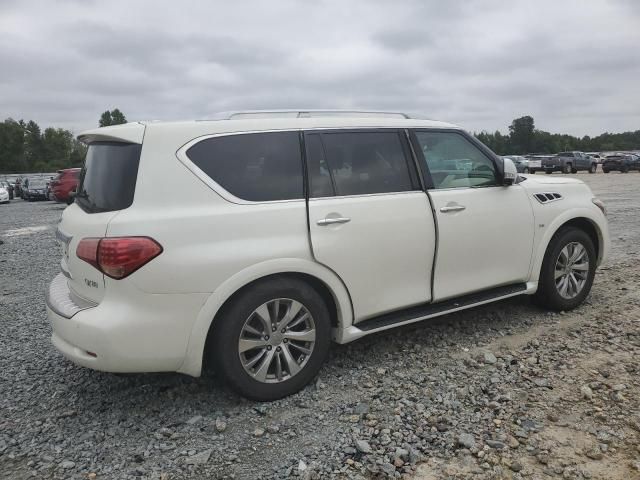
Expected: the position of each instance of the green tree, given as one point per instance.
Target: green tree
(521, 134)
(113, 117)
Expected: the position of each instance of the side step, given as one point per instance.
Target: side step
(430, 309)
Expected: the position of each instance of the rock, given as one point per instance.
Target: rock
(221, 425)
(363, 446)
(512, 441)
(258, 432)
(194, 420)
(67, 464)
(361, 408)
(496, 444)
(515, 466)
(594, 454)
(302, 466)
(466, 440)
(273, 428)
(586, 392)
(199, 458)
(488, 357)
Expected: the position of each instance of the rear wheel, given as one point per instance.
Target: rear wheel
(593, 168)
(568, 270)
(567, 168)
(272, 339)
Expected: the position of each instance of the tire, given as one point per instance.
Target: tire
(549, 292)
(593, 168)
(567, 168)
(526, 170)
(604, 170)
(548, 172)
(241, 315)
(624, 170)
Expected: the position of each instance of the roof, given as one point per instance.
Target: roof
(231, 122)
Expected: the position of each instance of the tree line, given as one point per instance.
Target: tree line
(25, 148)
(524, 137)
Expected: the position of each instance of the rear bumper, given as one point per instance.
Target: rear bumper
(149, 334)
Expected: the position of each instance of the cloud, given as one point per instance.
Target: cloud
(572, 65)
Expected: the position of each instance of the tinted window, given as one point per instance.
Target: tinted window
(320, 184)
(453, 161)
(566, 154)
(365, 162)
(255, 166)
(108, 178)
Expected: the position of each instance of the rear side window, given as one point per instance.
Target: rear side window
(108, 178)
(359, 163)
(255, 166)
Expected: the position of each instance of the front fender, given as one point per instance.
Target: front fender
(192, 364)
(593, 215)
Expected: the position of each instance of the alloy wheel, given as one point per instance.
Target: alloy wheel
(277, 340)
(571, 270)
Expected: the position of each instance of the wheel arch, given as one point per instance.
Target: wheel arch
(323, 280)
(584, 219)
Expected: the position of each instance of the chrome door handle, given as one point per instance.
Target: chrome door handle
(329, 221)
(452, 208)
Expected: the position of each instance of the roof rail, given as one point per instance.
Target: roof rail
(247, 114)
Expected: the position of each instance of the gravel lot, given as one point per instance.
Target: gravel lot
(503, 391)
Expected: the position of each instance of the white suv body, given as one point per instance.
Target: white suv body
(369, 220)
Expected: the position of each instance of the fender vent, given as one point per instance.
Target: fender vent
(547, 197)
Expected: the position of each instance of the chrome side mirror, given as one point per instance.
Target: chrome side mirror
(510, 172)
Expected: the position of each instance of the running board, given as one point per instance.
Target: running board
(433, 309)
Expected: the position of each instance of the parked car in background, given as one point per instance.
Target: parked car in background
(4, 194)
(291, 232)
(9, 187)
(621, 162)
(35, 190)
(64, 183)
(595, 155)
(523, 164)
(569, 162)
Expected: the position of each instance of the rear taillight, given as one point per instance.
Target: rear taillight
(118, 257)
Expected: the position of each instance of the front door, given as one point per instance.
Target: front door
(368, 219)
(485, 229)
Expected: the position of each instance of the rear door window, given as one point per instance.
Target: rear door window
(255, 166)
(108, 178)
(358, 163)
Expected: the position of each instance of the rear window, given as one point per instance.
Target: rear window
(255, 166)
(108, 178)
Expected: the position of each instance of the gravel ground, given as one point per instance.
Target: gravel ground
(502, 391)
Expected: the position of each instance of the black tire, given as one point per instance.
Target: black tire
(593, 168)
(526, 170)
(547, 294)
(624, 170)
(228, 327)
(604, 170)
(567, 168)
(548, 172)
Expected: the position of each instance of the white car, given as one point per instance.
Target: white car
(4, 195)
(296, 229)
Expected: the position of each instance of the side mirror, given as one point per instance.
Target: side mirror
(510, 172)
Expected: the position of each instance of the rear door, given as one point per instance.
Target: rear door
(107, 185)
(368, 219)
(485, 229)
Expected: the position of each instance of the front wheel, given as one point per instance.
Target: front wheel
(567, 168)
(272, 339)
(593, 168)
(568, 269)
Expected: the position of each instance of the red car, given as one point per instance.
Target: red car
(64, 183)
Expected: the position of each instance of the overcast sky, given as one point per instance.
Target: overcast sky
(573, 65)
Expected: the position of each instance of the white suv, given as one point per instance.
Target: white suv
(251, 242)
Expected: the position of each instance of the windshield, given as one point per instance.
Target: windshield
(108, 178)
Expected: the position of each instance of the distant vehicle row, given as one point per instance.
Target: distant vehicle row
(573, 162)
(58, 188)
